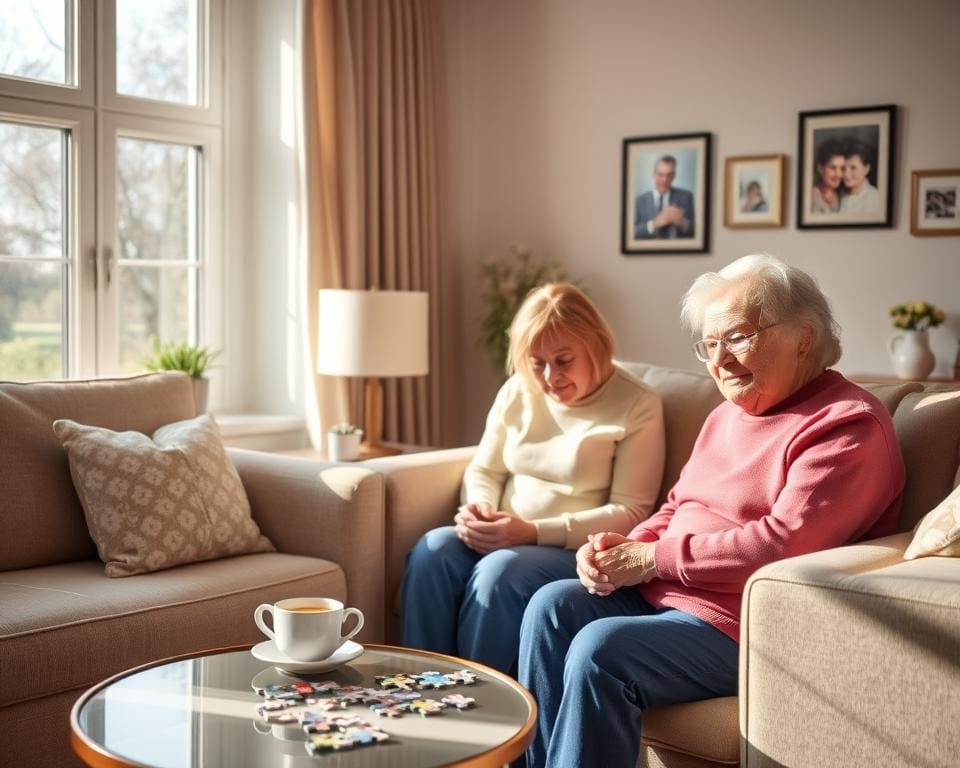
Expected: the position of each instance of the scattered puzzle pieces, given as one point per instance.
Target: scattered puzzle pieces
(434, 680)
(399, 681)
(425, 707)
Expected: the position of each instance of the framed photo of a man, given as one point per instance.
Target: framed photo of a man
(665, 201)
(935, 203)
(753, 191)
(846, 168)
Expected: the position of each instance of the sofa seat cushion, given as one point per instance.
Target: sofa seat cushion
(705, 729)
(67, 626)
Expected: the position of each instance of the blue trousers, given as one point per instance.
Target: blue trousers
(459, 602)
(595, 663)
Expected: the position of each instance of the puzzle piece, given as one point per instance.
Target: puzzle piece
(458, 700)
(331, 703)
(389, 710)
(314, 722)
(398, 681)
(284, 717)
(354, 694)
(328, 742)
(365, 736)
(463, 677)
(343, 723)
(325, 686)
(425, 707)
(434, 680)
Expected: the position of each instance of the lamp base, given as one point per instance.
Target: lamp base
(371, 451)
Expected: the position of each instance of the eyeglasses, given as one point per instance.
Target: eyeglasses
(734, 343)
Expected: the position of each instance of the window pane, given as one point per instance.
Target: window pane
(156, 200)
(31, 328)
(33, 39)
(158, 45)
(31, 191)
(154, 301)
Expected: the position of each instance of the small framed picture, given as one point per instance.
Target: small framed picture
(665, 199)
(933, 203)
(845, 166)
(753, 191)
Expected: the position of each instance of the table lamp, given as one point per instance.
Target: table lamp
(372, 334)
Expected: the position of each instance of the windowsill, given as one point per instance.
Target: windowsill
(263, 431)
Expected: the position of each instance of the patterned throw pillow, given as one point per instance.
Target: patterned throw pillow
(154, 504)
(939, 531)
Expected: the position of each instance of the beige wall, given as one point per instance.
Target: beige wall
(542, 93)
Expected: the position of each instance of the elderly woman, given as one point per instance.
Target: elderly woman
(797, 459)
(573, 445)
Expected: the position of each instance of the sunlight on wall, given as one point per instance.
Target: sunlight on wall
(288, 84)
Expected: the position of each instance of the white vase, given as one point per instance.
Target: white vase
(343, 447)
(911, 355)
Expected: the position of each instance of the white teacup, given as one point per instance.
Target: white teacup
(307, 628)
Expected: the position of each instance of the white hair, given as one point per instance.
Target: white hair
(781, 291)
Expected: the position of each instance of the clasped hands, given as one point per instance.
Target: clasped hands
(484, 529)
(671, 214)
(609, 561)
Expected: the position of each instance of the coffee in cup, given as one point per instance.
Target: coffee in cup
(307, 628)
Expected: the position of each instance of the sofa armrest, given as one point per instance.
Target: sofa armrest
(851, 656)
(323, 510)
(422, 492)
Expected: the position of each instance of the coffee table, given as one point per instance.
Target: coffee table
(199, 711)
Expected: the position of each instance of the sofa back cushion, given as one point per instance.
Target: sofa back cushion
(43, 522)
(928, 428)
(688, 398)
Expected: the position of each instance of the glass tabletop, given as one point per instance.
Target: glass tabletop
(201, 712)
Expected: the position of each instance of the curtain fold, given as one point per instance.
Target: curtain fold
(373, 95)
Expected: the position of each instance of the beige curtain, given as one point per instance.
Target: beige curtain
(373, 101)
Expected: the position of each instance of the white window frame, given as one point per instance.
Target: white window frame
(209, 110)
(95, 115)
(210, 199)
(79, 231)
(81, 91)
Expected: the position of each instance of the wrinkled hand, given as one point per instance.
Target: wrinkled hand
(622, 562)
(484, 529)
(587, 571)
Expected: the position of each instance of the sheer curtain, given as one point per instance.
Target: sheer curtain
(373, 99)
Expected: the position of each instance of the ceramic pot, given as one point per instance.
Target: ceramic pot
(201, 392)
(343, 447)
(911, 355)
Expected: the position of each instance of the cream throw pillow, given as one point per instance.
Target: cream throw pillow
(154, 504)
(939, 531)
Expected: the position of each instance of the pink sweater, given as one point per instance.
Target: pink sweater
(821, 469)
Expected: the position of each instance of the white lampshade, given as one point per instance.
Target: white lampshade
(373, 333)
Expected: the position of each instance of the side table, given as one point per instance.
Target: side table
(200, 711)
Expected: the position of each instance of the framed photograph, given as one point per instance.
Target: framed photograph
(933, 203)
(753, 191)
(846, 169)
(665, 200)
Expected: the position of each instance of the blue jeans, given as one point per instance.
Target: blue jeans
(595, 663)
(459, 602)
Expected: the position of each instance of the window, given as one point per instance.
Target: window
(110, 205)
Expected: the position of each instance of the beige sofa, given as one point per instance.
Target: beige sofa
(65, 626)
(848, 657)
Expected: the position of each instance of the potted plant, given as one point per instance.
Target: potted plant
(192, 359)
(343, 442)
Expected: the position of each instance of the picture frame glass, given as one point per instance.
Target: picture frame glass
(754, 191)
(846, 168)
(685, 159)
(937, 203)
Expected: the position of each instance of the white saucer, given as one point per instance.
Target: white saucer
(268, 651)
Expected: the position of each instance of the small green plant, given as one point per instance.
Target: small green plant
(182, 356)
(505, 283)
(916, 316)
(345, 429)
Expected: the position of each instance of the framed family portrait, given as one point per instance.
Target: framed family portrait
(753, 191)
(845, 166)
(933, 203)
(665, 199)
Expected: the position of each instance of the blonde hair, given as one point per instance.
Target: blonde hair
(554, 309)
